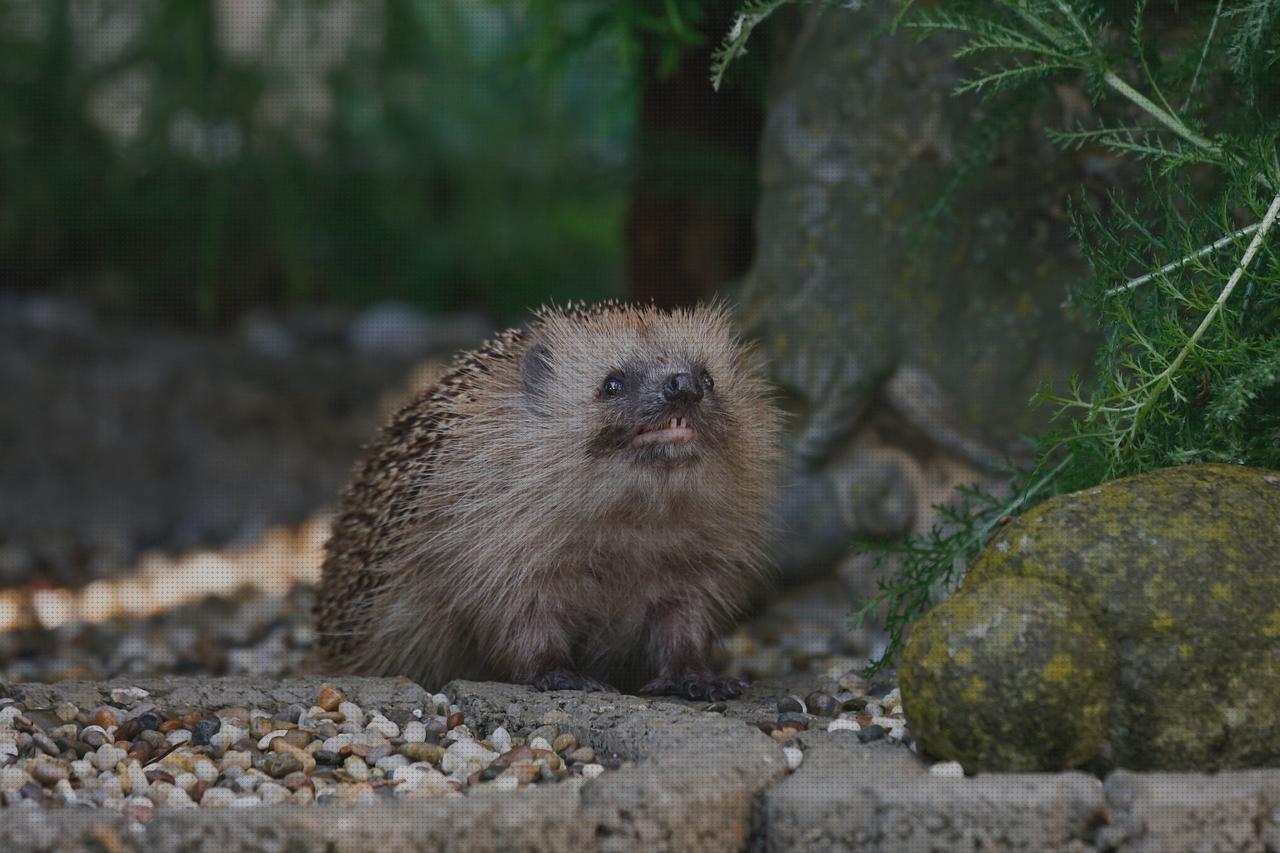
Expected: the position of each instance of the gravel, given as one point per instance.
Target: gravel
(148, 757)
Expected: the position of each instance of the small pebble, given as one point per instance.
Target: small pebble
(291, 714)
(793, 720)
(582, 755)
(203, 730)
(135, 778)
(794, 756)
(500, 738)
(843, 725)
(227, 736)
(389, 763)
(870, 733)
(298, 738)
(415, 732)
(853, 703)
(45, 744)
(217, 798)
(790, 705)
(128, 730)
(337, 743)
(281, 764)
(506, 782)
(356, 768)
(352, 713)
(94, 736)
(128, 696)
(383, 726)
(108, 756)
(265, 740)
(138, 808)
(822, 704)
(467, 756)
(186, 781)
(272, 793)
(427, 752)
(49, 773)
(13, 778)
(591, 771)
(330, 698)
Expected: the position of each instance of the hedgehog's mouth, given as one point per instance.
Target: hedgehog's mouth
(674, 431)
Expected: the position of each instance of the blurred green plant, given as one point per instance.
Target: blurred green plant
(1185, 283)
(211, 159)
(566, 29)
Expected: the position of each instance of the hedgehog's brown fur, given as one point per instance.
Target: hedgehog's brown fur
(502, 528)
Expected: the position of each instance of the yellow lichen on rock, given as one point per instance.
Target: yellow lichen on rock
(1133, 624)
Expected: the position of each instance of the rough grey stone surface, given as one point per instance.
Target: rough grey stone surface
(892, 354)
(849, 796)
(387, 693)
(127, 442)
(694, 781)
(1166, 811)
(696, 771)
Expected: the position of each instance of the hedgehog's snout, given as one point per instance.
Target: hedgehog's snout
(681, 388)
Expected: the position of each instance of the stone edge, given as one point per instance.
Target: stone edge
(699, 781)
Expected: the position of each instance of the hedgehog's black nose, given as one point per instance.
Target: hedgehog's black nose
(681, 388)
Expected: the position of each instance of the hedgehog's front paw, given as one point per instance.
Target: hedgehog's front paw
(698, 686)
(563, 679)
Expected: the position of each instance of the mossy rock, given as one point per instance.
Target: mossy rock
(1135, 624)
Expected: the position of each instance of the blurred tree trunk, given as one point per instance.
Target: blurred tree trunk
(690, 221)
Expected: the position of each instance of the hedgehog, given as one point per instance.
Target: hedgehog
(579, 505)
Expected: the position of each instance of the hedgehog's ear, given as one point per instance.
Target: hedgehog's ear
(535, 369)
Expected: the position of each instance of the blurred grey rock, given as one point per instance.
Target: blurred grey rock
(390, 328)
(907, 368)
(397, 329)
(45, 313)
(123, 440)
(266, 335)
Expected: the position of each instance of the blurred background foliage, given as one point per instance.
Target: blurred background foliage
(190, 160)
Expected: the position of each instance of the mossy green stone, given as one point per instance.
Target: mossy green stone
(1172, 576)
(1008, 644)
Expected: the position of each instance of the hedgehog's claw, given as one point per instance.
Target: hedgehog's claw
(563, 679)
(698, 686)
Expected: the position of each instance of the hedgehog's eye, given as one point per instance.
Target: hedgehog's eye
(613, 386)
(707, 382)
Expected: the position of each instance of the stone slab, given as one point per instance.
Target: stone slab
(693, 780)
(851, 796)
